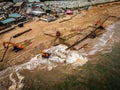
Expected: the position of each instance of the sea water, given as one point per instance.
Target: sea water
(97, 69)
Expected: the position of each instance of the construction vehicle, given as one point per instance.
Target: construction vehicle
(45, 55)
(16, 47)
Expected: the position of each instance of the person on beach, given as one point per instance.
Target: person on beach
(57, 38)
(58, 34)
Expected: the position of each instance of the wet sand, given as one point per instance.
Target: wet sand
(36, 40)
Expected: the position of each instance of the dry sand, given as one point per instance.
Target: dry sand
(36, 40)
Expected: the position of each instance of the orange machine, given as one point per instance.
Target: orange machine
(45, 55)
(16, 47)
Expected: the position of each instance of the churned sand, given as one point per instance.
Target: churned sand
(35, 41)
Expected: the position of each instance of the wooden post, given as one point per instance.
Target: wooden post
(5, 51)
(82, 39)
(19, 34)
(91, 33)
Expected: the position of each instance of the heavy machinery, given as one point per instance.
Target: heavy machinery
(45, 55)
(16, 47)
(98, 26)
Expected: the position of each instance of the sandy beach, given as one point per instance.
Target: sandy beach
(35, 41)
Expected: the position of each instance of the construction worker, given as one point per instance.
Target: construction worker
(58, 33)
(57, 38)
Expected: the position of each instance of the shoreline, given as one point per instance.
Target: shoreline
(40, 41)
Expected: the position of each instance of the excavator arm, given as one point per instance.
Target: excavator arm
(19, 46)
(5, 44)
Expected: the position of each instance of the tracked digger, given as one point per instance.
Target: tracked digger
(16, 47)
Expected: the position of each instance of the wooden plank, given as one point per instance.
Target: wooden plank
(21, 33)
(49, 35)
(91, 33)
(71, 35)
(67, 19)
(7, 30)
(83, 38)
(53, 36)
(83, 46)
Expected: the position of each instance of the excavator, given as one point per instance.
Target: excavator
(16, 47)
(45, 55)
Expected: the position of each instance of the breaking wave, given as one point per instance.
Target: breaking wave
(103, 44)
(61, 56)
